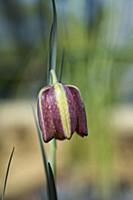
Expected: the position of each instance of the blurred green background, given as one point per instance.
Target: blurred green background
(98, 42)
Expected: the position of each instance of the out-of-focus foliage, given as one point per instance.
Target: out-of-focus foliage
(24, 33)
(96, 61)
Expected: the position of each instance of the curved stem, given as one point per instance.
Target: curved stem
(52, 76)
(52, 41)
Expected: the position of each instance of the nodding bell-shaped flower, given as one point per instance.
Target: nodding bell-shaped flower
(61, 111)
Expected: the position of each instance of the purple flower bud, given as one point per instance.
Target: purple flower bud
(61, 112)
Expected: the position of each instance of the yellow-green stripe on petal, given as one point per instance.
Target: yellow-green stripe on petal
(62, 103)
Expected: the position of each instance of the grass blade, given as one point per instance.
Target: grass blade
(42, 151)
(7, 173)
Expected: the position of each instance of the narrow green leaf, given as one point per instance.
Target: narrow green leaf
(62, 65)
(52, 183)
(7, 173)
(51, 191)
(42, 152)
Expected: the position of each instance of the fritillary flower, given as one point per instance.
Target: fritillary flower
(61, 111)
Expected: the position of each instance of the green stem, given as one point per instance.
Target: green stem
(53, 146)
(53, 156)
